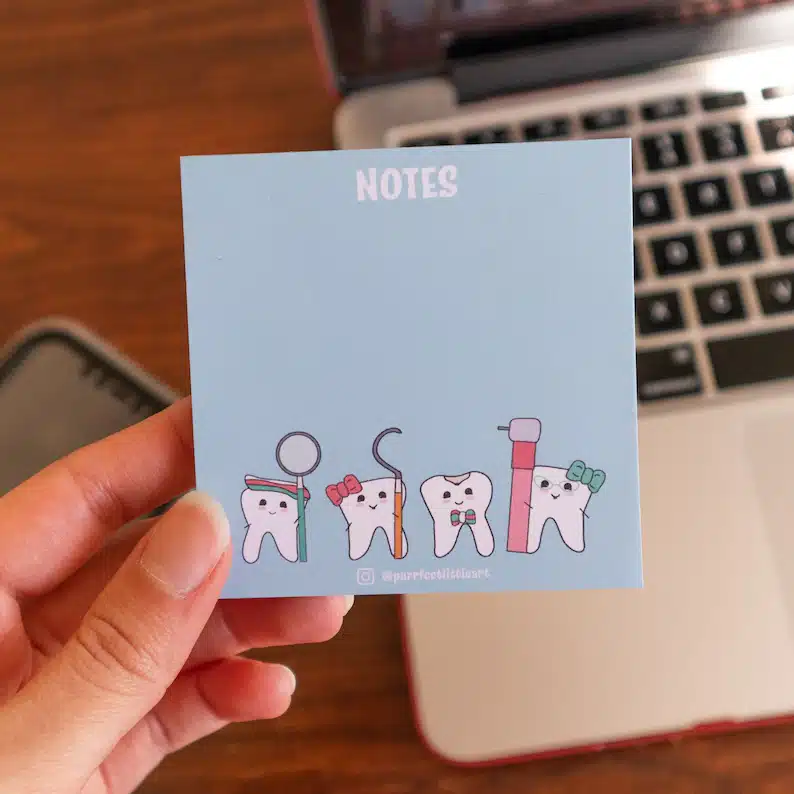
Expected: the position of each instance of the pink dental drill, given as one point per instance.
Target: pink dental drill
(525, 434)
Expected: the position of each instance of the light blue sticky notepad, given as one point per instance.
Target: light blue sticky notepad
(413, 370)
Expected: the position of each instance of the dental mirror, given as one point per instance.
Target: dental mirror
(298, 455)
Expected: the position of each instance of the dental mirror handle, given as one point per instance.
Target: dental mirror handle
(302, 555)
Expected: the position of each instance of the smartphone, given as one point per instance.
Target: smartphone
(63, 387)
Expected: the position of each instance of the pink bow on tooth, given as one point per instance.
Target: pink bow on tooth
(350, 485)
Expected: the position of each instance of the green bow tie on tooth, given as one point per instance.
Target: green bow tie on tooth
(594, 479)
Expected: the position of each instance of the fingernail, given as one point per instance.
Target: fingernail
(186, 544)
(288, 682)
(349, 601)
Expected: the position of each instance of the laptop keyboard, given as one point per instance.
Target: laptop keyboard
(714, 229)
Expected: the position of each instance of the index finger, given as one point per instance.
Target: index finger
(51, 524)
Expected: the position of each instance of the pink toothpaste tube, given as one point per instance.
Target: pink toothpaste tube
(525, 434)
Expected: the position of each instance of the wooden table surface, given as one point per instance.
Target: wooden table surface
(98, 100)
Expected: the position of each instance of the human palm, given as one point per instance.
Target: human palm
(114, 650)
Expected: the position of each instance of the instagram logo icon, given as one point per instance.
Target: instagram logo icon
(365, 577)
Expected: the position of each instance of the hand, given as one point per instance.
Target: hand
(114, 649)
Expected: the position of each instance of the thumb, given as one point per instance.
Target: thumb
(129, 648)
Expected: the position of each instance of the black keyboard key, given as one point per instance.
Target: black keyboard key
(766, 187)
(667, 372)
(667, 108)
(652, 205)
(719, 303)
(605, 119)
(667, 150)
(494, 135)
(776, 292)
(659, 312)
(783, 232)
(744, 360)
(777, 133)
(707, 196)
(548, 128)
(778, 91)
(723, 99)
(723, 142)
(437, 141)
(674, 255)
(736, 245)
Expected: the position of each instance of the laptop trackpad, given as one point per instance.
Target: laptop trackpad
(770, 444)
(708, 639)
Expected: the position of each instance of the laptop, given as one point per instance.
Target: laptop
(706, 93)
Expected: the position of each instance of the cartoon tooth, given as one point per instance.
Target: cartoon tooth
(562, 495)
(270, 507)
(368, 506)
(456, 502)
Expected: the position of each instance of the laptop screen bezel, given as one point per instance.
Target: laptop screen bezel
(351, 65)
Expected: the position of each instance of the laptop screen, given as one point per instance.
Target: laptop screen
(375, 41)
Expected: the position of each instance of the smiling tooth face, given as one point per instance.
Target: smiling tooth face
(455, 502)
(270, 507)
(556, 497)
(367, 507)
(374, 505)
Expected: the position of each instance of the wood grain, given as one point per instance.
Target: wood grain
(97, 102)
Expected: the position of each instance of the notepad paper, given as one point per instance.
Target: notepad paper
(413, 370)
